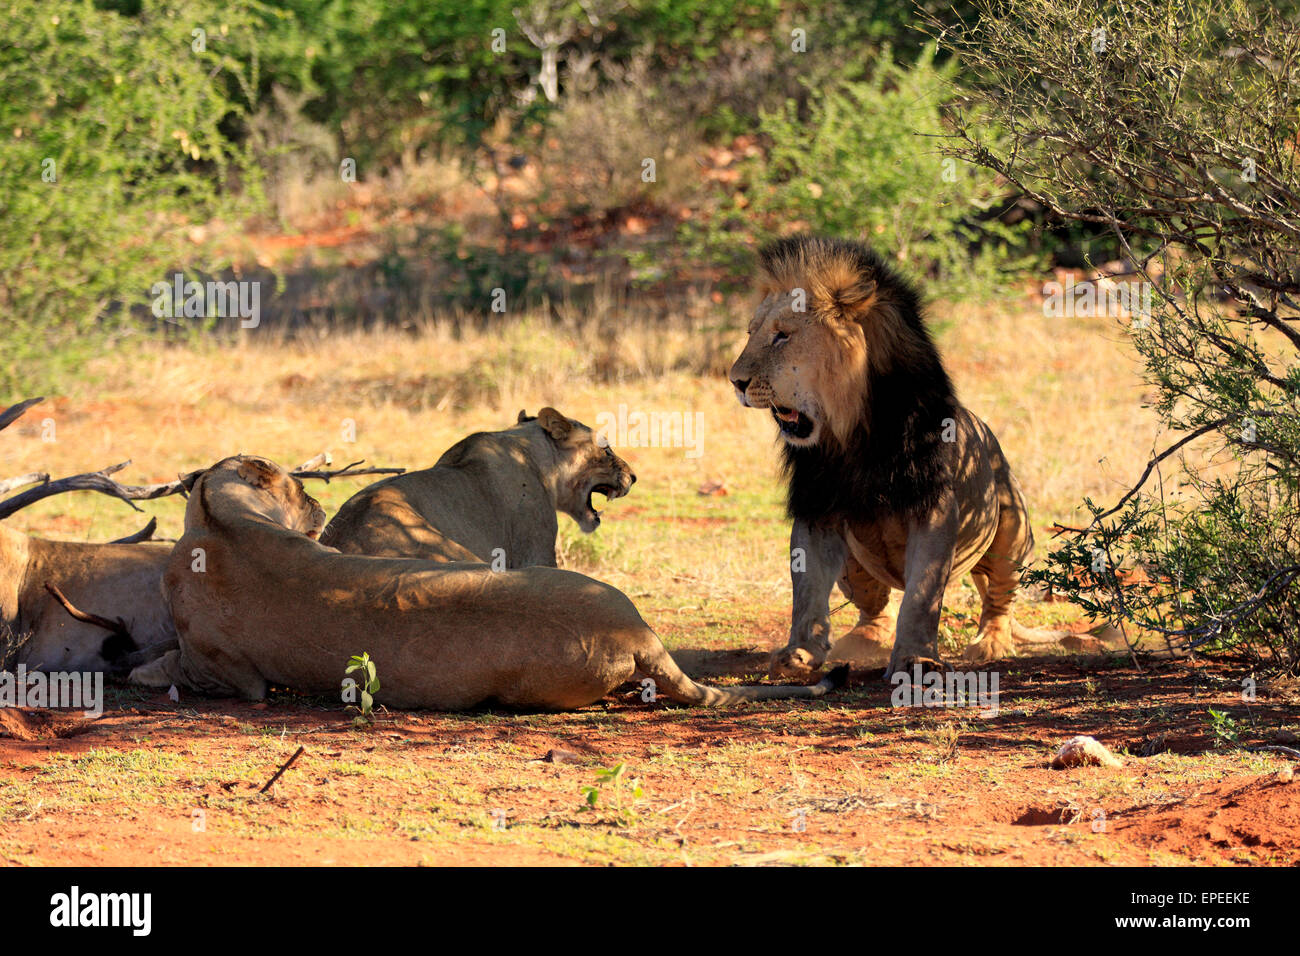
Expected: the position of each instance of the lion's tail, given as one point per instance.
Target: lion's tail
(657, 664)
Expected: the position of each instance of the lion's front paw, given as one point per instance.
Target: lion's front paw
(989, 648)
(793, 663)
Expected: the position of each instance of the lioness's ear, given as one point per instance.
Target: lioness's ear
(523, 417)
(258, 473)
(556, 425)
(187, 481)
(202, 499)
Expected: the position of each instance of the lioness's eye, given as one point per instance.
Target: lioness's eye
(780, 337)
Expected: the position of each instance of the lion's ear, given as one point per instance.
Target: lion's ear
(850, 295)
(556, 425)
(523, 417)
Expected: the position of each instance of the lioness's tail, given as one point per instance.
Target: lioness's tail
(1031, 636)
(657, 664)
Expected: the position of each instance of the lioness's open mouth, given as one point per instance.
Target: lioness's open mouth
(609, 491)
(794, 423)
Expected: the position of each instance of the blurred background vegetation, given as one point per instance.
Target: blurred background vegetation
(495, 145)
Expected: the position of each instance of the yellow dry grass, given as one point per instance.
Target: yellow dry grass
(1063, 395)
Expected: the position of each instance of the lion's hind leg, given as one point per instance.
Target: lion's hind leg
(997, 593)
(997, 574)
(997, 578)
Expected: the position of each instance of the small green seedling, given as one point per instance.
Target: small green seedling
(1225, 728)
(369, 685)
(621, 794)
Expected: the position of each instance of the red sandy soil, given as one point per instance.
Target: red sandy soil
(992, 800)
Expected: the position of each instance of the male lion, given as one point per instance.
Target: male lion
(491, 497)
(256, 602)
(120, 582)
(891, 482)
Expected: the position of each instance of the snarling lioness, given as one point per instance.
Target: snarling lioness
(891, 483)
(121, 582)
(257, 601)
(491, 497)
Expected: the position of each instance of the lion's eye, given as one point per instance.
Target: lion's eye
(779, 338)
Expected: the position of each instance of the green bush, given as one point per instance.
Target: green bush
(596, 144)
(113, 138)
(861, 160)
(396, 76)
(393, 77)
(1174, 127)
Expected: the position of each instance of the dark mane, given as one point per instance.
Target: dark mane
(895, 461)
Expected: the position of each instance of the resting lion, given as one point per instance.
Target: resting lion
(490, 498)
(256, 602)
(891, 482)
(115, 581)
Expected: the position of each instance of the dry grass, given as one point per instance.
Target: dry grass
(1062, 394)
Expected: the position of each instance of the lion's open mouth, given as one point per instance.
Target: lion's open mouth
(793, 422)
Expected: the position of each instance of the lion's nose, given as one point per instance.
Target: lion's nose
(742, 384)
(633, 479)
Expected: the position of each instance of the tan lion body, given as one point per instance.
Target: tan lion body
(273, 606)
(894, 485)
(112, 580)
(491, 498)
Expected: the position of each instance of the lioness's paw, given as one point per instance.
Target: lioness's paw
(161, 672)
(793, 663)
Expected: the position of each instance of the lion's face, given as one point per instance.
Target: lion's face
(587, 465)
(807, 368)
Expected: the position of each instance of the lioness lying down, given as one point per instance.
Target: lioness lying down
(491, 497)
(256, 602)
(116, 581)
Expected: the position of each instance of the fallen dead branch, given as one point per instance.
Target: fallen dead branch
(22, 481)
(347, 471)
(287, 764)
(144, 534)
(1276, 748)
(90, 481)
(14, 412)
(102, 482)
